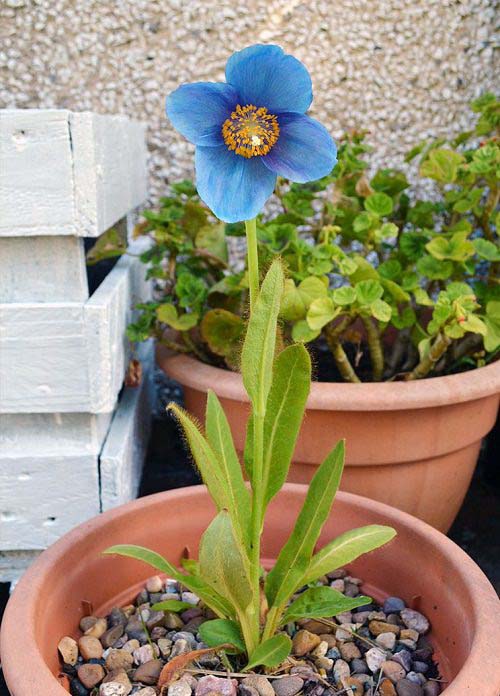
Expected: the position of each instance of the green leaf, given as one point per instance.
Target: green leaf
(441, 165)
(284, 412)
(213, 239)
(171, 605)
(302, 332)
(221, 631)
(185, 187)
(390, 181)
(295, 556)
(422, 297)
(271, 652)
(434, 269)
(107, 246)
(219, 604)
(221, 441)
(276, 236)
(167, 314)
(367, 291)
(321, 602)
(204, 457)
(257, 356)
(321, 312)
(405, 319)
(412, 244)
(222, 331)
(458, 248)
(492, 321)
(395, 290)
(486, 249)
(390, 270)
(346, 548)
(379, 204)
(296, 300)
(223, 565)
(344, 296)
(474, 324)
(381, 310)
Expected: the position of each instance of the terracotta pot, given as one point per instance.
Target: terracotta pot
(420, 565)
(413, 445)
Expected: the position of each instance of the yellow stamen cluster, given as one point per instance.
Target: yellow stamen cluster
(250, 131)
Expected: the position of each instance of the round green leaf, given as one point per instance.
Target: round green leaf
(321, 312)
(381, 310)
(379, 204)
(367, 291)
(222, 331)
(344, 296)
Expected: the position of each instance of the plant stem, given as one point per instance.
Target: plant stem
(332, 335)
(438, 349)
(258, 448)
(375, 346)
(253, 260)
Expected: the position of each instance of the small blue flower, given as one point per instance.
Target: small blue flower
(250, 129)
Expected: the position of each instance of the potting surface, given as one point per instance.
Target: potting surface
(476, 530)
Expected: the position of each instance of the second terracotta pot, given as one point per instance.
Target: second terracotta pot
(413, 445)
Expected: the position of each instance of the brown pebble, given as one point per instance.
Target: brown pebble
(378, 627)
(149, 672)
(87, 622)
(119, 659)
(393, 671)
(68, 649)
(355, 684)
(90, 675)
(90, 648)
(328, 638)
(409, 634)
(387, 688)
(315, 627)
(172, 620)
(349, 651)
(304, 641)
(97, 629)
(109, 637)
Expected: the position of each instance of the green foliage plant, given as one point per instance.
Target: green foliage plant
(252, 605)
(373, 271)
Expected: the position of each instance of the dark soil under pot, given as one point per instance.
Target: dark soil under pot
(379, 649)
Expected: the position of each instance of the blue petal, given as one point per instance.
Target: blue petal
(234, 188)
(199, 109)
(305, 151)
(265, 76)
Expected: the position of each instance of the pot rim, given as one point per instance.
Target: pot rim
(21, 609)
(339, 396)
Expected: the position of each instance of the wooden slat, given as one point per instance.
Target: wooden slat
(67, 173)
(70, 357)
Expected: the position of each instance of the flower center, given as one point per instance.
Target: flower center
(250, 131)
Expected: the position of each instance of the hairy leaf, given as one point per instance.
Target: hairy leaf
(171, 605)
(321, 602)
(284, 412)
(346, 548)
(220, 631)
(221, 441)
(222, 563)
(295, 556)
(204, 457)
(257, 356)
(271, 652)
(222, 331)
(210, 597)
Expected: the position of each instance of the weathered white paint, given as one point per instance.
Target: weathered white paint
(42, 269)
(66, 173)
(124, 451)
(58, 470)
(67, 356)
(14, 563)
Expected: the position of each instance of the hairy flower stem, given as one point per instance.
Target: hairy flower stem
(375, 346)
(436, 351)
(258, 444)
(332, 334)
(253, 260)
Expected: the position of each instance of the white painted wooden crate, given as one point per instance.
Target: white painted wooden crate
(69, 356)
(66, 173)
(72, 440)
(58, 470)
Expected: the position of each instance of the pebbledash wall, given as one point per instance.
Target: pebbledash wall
(400, 68)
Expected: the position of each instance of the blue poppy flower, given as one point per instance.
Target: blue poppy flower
(250, 129)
